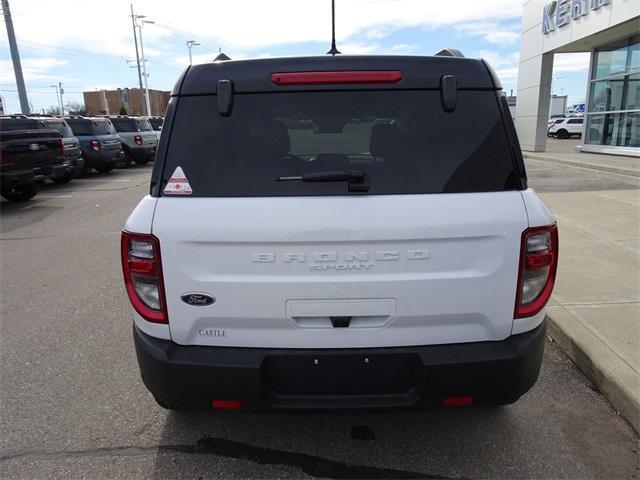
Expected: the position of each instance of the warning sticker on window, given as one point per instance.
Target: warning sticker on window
(178, 184)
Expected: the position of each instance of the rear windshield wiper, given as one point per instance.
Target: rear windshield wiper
(358, 179)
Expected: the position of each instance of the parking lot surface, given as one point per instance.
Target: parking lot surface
(73, 405)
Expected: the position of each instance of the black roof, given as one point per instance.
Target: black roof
(417, 72)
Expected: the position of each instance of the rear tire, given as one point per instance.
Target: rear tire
(22, 193)
(563, 134)
(124, 162)
(142, 161)
(105, 168)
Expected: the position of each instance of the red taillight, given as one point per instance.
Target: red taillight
(226, 404)
(344, 77)
(460, 401)
(538, 265)
(95, 145)
(138, 139)
(142, 268)
(61, 148)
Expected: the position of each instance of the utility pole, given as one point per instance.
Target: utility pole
(143, 105)
(15, 57)
(58, 99)
(144, 64)
(190, 45)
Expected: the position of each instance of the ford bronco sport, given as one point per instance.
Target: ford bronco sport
(339, 233)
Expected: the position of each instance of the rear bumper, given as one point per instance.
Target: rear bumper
(142, 152)
(337, 379)
(37, 174)
(101, 159)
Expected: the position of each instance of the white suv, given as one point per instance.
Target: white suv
(319, 236)
(566, 127)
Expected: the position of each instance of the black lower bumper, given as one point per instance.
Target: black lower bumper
(294, 379)
(13, 178)
(141, 153)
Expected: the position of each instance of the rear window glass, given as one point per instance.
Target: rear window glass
(403, 140)
(131, 125)
(59, 125)
(10, 124)
(156, 123)
(90, 127)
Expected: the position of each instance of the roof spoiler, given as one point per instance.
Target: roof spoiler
(450, 52)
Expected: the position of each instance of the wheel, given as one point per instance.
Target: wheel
(66, 178)
(562, 134)
(124, 162)
(142, 161)
(105, 168)
(22, 193)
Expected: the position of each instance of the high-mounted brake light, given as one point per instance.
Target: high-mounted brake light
(95, 145)
(340, 77)
(142, 268)
(138, 139)
(538, 265)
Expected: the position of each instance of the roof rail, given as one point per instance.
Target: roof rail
(450, 52)
(14, 115)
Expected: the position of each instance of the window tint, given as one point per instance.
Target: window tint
(403, 139)
(124, 124)
(85, 126)
(7, 124)
(103, 127)
(60, 126)
(156, 123)
(575, 120)
(143, 125)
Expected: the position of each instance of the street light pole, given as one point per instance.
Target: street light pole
(143, 105)
(190, 45)
(61, 101)
(144, 64)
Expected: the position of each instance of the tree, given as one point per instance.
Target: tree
(123, 111)
(52, 110)
(76, 108)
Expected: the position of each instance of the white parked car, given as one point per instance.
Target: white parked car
(567, 127)
(339, 233)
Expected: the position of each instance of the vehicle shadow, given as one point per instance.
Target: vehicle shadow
(18, 215)
(423, 444)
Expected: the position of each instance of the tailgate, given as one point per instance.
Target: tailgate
(27, 149)
(341, 272)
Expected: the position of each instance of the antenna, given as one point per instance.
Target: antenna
(334, 50)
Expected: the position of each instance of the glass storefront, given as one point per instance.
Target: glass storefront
(613, 112)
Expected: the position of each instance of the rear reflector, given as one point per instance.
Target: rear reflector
(226, 404)
(461, 401)
(332, 78)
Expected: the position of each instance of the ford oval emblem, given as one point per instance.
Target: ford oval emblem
(198, 299)
(34, 147)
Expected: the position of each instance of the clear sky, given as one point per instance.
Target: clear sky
(88, 44)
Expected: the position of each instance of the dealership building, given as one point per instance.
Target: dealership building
(610, 31)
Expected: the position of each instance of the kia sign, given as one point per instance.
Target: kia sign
(558, 13)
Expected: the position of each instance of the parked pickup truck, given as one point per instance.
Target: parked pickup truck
(28, 157)
(348, 232)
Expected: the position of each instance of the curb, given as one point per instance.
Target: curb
(586, 165)
(616, 380)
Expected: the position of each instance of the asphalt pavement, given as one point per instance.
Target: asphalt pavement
(72, 404)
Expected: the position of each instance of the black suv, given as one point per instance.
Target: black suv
(29, 155)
